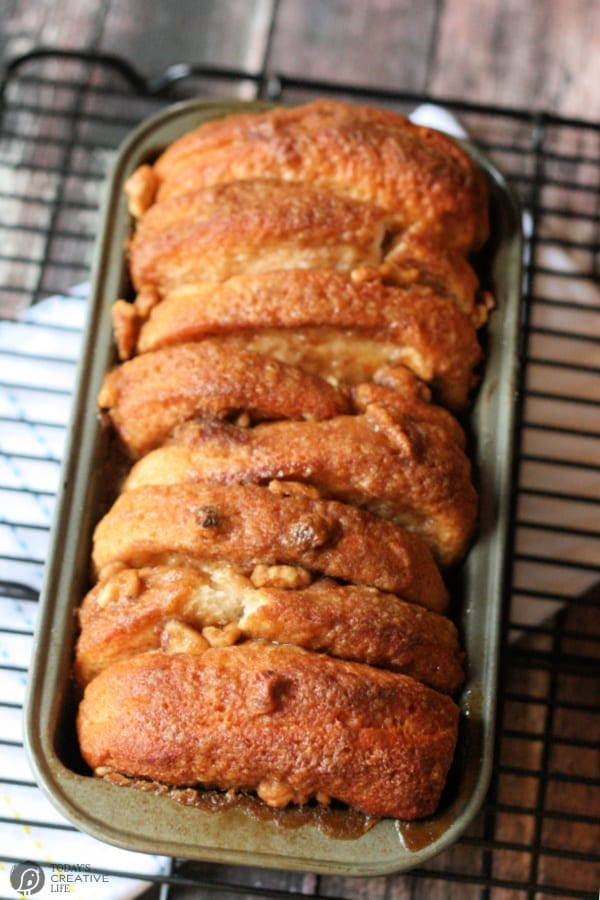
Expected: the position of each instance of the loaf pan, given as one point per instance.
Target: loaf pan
(146, 822)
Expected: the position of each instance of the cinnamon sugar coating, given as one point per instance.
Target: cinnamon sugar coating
(146, 397)
(406, 469)
(419, 175)
(284, 722)
(248, 525)
(131, 613)
(252, 226)
(328, 323)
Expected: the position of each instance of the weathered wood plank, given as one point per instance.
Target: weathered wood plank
(541, 55)
(155, 35)
(25, 24)
(384, 43)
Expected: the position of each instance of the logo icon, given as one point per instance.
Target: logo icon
(27, 878)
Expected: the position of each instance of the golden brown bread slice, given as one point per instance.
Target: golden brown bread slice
(133, 610)
(284, 722)
(137, 610)
(398, 390)
(414, 258)
(327, 323)
(416, 173)
(252, 226)
(407, 469)
(147, 396)
(249, 525)
(412, 261)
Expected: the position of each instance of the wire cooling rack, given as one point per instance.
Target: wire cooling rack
(62, 116)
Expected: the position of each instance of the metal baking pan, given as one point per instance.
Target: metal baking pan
(155, 824)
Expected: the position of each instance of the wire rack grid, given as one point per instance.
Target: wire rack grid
(62, 115)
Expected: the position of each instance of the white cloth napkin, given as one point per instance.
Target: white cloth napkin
(38, 357)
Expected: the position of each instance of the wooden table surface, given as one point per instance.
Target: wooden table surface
(528, 54)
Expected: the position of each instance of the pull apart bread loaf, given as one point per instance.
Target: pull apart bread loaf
(268, 613)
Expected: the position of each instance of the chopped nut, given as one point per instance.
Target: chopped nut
(125, 327)
(110, 569)
(294, 488)
(140, 188)
(243, 420)
(124, 585)
(177, 637)
(222, 637)
(365, 273)
(276, 793)
(285, 577)
(107, 594)
(400, 272)
(146, 300)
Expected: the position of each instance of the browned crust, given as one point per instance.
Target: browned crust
(364, 625)
(297, 249)
(302, 315)
(249, 524)
(287, 723)
(420, 175)
(251, 226)
(415, 258)
(130, 612)
(408, 470)
(147, 396)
